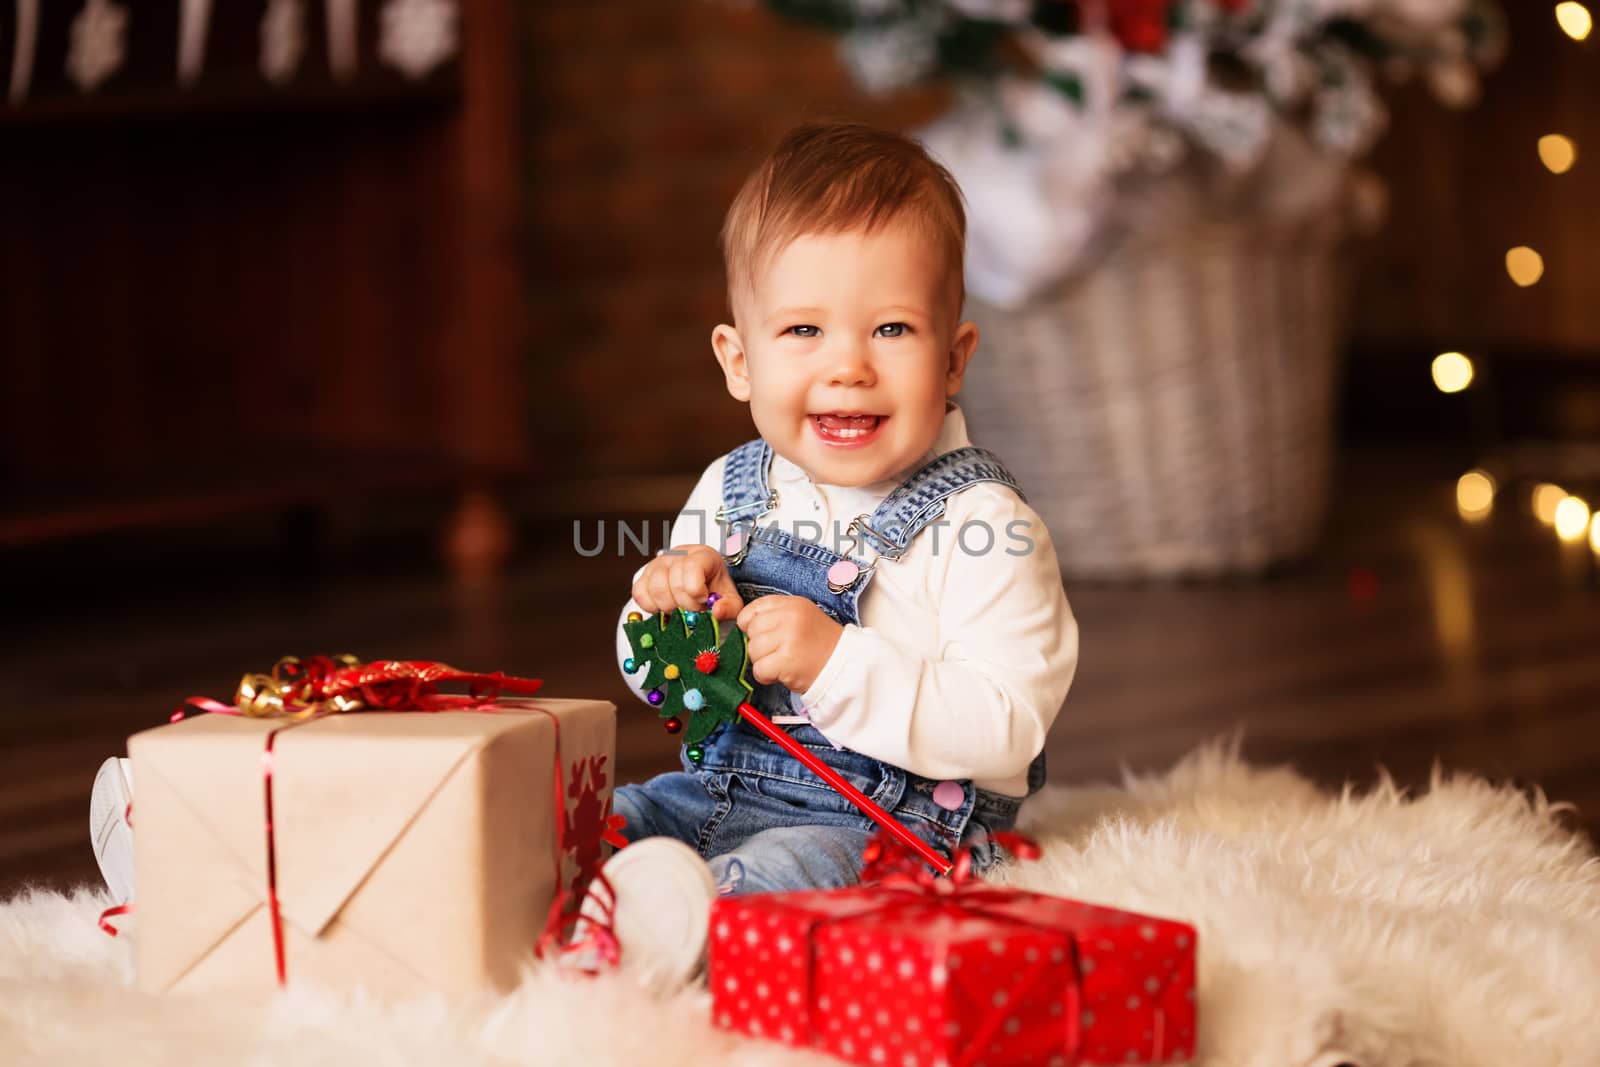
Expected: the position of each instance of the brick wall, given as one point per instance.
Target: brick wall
(196, 285)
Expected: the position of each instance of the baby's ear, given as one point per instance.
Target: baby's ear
(729, 348)
(962, 346)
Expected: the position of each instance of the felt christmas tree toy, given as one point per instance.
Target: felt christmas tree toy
(697, 668)
(696, 675)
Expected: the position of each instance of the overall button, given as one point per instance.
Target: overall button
(949, 795)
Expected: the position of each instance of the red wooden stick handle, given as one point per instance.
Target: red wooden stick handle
(851, 793)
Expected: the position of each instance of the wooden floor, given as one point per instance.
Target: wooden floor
(1413, 637)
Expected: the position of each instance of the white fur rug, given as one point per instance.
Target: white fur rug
(1460, 927)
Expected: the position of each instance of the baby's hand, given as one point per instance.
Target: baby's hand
(788, 638)
(682, 578)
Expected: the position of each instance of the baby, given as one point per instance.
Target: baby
(924, 646)
(901, 603)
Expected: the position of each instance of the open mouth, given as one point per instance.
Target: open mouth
(846, 429)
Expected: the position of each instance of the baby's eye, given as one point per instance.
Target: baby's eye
(893, 329)
(804, 331)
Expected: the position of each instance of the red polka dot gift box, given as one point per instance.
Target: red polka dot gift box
(930, 974)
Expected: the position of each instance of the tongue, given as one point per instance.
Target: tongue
(847, 422)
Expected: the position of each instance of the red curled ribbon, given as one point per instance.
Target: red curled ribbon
(111, 913)
(571, 935)
(889, 863)
(311, 689)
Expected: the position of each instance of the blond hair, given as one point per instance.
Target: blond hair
(838, 178)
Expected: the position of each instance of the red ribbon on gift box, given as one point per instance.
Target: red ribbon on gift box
(897, 885)
(890, 865)
(888, 862)
(314, 688)
(324, 685)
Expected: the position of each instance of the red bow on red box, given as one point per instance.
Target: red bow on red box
(916, 968)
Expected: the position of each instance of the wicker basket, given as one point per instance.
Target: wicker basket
(1170, 412)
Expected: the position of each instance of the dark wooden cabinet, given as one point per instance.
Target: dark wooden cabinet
(234, 301)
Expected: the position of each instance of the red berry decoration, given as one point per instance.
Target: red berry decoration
(673, 725)
(706, 662)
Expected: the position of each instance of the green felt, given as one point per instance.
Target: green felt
(676, 643)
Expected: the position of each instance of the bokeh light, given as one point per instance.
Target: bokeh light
(1574, 19)
(1452, 372)
(1546, 498)
(1524, 265)
(1475, 494)
(1572, 519)
(1558, 153)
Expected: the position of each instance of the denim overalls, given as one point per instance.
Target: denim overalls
(762, 818)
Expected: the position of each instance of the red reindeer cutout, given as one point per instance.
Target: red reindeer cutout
(589, 823)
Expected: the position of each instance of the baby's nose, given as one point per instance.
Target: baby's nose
(851, 365)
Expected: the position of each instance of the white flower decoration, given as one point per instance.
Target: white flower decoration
(884, 58)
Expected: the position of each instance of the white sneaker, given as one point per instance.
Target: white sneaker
(109, 830)
(661, 913)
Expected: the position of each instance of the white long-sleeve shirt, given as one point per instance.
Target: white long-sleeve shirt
(964, 654)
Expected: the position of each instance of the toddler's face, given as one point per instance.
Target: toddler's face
(846, 349)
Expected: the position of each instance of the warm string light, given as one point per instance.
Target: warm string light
(1594, 535)
(1572, 519)
(1552, 505)
(1574, 20)
(1557, 152)
(1475, 494)
(1524, 265)
(1452, 372)
(1546, 498)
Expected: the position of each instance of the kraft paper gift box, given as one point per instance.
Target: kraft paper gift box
(414, 850)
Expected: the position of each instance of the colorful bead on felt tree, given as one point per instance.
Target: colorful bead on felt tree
(691, 617)
(673, 725)
(634, 616)
(707, 661)
(628, 666)
(647, 640)
(693, 700)
(670, 670)
(656, 697)
(696, 753)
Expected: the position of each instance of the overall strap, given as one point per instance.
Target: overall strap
(745, 494)
(920, 499)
